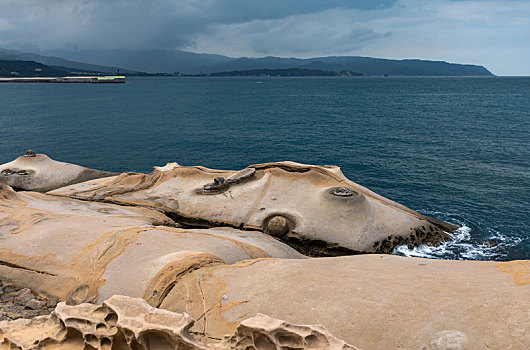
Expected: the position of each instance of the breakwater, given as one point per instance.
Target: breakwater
(91, 79)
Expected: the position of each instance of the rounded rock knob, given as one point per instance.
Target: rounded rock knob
(278, 226)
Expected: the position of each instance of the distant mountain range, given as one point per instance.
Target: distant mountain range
(184, 62)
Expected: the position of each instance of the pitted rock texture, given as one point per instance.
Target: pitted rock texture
(314, 209)
(130, 323)
(264, 332)
(38, 172)
(120, 323)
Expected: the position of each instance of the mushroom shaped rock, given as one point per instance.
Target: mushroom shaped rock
(372, 301)
(38, 172)
(315, 209)
(80, 251)
(130, 323)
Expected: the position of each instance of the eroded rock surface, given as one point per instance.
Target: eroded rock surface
(37, 172)
(130, 323)
(264, 332)
(17, 302)
(314, 209)
(73, 245)
(79, 251)
(120, 323)
(372, 301)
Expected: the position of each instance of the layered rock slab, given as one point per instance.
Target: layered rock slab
(315, 209)
(38, 172)
(130, 323)
(372, 301)
(82, 251)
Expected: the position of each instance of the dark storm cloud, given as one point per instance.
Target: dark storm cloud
(489, 32)
(230, 11)
(142, 23)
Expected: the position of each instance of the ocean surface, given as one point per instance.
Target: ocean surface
(457, 149)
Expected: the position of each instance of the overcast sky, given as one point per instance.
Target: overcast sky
(493, 33)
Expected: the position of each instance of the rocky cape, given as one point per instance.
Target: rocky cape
(185, 62)
(199, 255)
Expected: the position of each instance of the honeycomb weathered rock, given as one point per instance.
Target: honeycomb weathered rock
(130, 323)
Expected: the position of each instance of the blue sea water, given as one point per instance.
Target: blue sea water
(457, 149)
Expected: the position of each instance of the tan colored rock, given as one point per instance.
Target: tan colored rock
(264, 332)
(30, 333)
(372, 301)
(83, 251)
(37, 172)
(120, 323)
(315, 209)
(130, 323)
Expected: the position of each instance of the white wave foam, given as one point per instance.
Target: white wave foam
(462, 247)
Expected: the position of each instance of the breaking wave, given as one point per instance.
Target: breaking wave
(468, 243)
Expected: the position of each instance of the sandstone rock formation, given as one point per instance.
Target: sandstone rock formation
(264, 332)
(37, 172)
(211, 244)
(315, 209)
(372, 301)
(130, 323)
(80, 251)
(120, 323)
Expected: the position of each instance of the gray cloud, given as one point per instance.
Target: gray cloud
(234, 11)
(489, 32)
(140, 23)
(331, 31)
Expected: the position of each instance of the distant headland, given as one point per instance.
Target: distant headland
(184, 63)
(34, 72)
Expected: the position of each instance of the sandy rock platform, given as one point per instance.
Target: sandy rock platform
(276, 256)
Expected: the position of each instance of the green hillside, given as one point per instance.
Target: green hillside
(14, 69)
